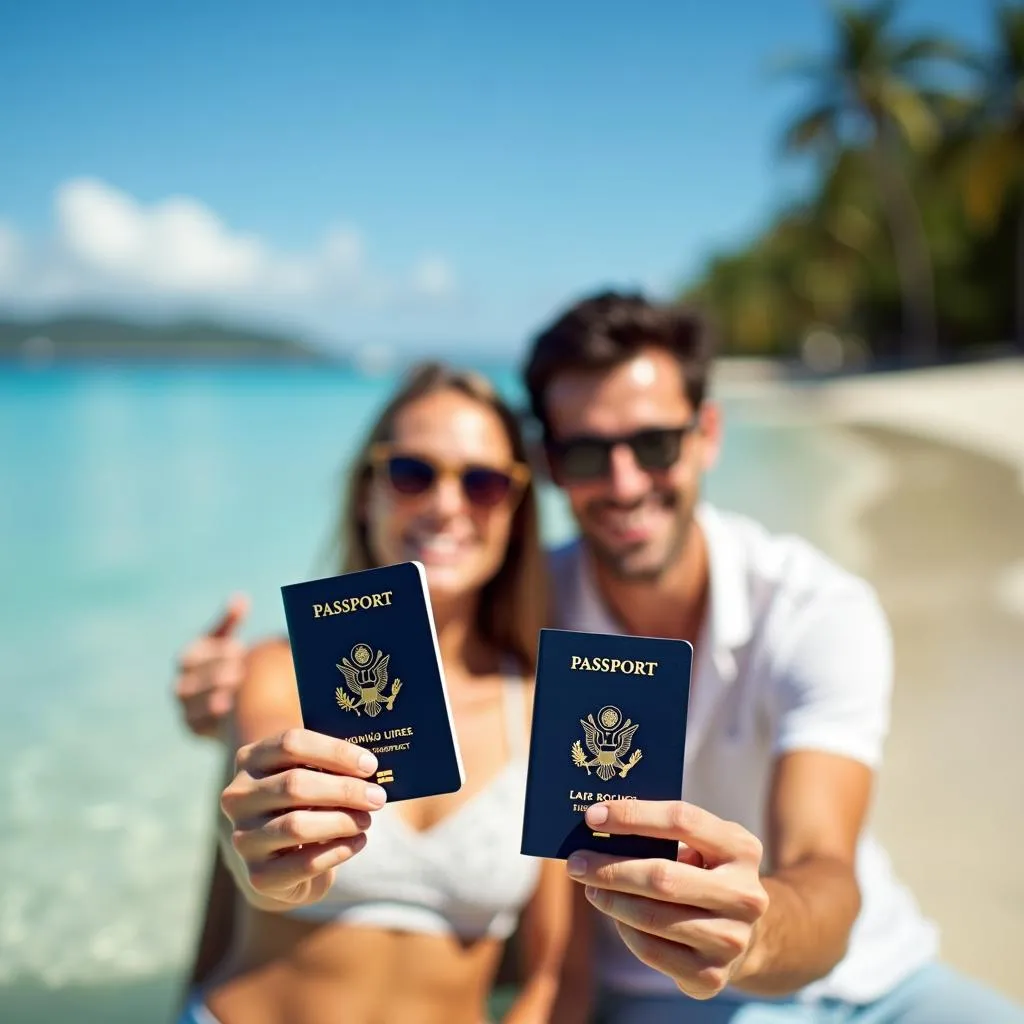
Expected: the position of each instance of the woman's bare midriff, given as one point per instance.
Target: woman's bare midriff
(287, 971)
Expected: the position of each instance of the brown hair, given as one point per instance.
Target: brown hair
(513, 604)
(605, 329)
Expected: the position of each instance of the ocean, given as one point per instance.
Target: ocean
(133, 501)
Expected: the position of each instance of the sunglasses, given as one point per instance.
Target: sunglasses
(415, 475)
(590, 458)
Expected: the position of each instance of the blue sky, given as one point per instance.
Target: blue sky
(431, 174)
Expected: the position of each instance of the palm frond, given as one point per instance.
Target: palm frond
(815, 128)
(993, 164)
(927, 49)
(906, 107)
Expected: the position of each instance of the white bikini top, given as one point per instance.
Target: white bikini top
(464, 875)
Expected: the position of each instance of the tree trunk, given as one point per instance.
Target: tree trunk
(1019, 297)
(910, 251)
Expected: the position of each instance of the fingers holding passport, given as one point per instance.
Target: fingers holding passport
(299, 805)
(308, 749)
(693, 918)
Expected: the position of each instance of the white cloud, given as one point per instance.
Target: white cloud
(434, 278)
(175, 246)
(106, 245)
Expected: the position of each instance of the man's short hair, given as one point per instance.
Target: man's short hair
(608, 328)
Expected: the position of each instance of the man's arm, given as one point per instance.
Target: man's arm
(817, 809)
(210, 669)
(833, 672)
(711, 919)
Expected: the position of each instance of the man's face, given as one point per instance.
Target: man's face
(634, 499)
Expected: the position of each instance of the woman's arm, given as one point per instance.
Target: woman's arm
(263, 699)
(300, 801)
(266, 703)
(544, 935)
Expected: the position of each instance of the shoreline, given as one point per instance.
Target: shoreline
(978, 406)
(947, 806)
(932, 514)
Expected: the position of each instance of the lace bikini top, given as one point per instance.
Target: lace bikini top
(464, 875)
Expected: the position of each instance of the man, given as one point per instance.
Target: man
(780, 907)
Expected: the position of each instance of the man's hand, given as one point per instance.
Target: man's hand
(694, 919)
(210, 670)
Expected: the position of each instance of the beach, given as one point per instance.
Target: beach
(938, 528)
(142, 497)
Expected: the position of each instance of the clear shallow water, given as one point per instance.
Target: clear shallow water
(132, 501)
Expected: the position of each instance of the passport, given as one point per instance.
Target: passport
(369, 671)
(609, 723)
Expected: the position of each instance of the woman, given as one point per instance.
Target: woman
(358, 912)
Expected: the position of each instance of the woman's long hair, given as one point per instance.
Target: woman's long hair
(513, 604)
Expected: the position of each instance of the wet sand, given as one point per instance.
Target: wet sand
(950, 804)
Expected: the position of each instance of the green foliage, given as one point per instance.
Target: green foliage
(911, 245)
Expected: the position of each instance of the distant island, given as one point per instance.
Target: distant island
(101, 338)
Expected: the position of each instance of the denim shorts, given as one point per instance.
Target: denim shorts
(195, 1011)
(935, 994)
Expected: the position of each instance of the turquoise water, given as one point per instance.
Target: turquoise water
(132, 502)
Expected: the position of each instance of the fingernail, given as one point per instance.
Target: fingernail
(577, 865)
(376, 796)
(367, 762)
(597, 814)
(592, 893)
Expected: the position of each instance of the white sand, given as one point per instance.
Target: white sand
(980, 406)
(941, 535)
(949, 564)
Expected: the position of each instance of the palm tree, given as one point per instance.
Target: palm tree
(871, 93)
(993, 137)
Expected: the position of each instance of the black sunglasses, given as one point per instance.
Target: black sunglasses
(589, 458)
(414, 475)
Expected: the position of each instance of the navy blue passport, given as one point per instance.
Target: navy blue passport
(609, 723)
(369, 671)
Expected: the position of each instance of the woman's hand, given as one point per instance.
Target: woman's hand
(299, 806)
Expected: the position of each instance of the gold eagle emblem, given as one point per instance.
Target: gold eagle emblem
(366, 676)
(608, 740)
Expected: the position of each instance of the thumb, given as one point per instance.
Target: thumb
(236, 610)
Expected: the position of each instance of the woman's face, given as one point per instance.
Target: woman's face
(438, 494)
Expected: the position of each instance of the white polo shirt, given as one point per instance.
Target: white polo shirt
(795, 654)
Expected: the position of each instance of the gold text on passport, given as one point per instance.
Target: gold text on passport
(344, 605)
(366, 676)
(591, 798)
(628, 666)
(608, 740)
(376, 737)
